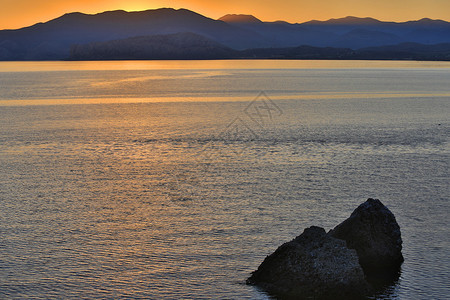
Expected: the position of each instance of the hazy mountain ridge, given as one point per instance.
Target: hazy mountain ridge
(192, 46)
(352, 32)
(240, 19)
(172, 46)
(78, 28)
(54, 39)
(407, 51)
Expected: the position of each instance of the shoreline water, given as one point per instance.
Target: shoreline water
(164, 200)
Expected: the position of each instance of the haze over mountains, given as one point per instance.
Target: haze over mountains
(182, 34)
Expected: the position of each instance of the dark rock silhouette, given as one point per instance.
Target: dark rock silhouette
(375, 235)
(314, 264)
(354, 260)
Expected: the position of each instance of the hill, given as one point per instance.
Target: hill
(171, 46)
(54, 40)
(192, 46)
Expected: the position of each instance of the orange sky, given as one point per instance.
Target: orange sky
(20, 13)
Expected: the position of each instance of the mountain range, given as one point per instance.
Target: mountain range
(183, 34)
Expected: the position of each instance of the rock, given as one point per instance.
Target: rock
(357, 258)
(313, 265)
(375, 235)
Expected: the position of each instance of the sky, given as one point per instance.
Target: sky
(19, 13)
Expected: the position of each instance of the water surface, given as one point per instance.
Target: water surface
(175, 179)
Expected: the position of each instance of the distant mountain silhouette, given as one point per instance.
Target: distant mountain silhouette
(351, 32)
(240, 19)
(192, 46)
(54, 39)
(409, 51)
(359, 38)
(350, 20)
(172, 46)
(301, 52)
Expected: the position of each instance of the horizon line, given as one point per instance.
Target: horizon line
(242, 14)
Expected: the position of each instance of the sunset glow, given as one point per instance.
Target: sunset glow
(20, 13)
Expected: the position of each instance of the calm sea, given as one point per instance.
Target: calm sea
(174, 179)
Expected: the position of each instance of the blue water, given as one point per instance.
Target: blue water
(174, 180)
